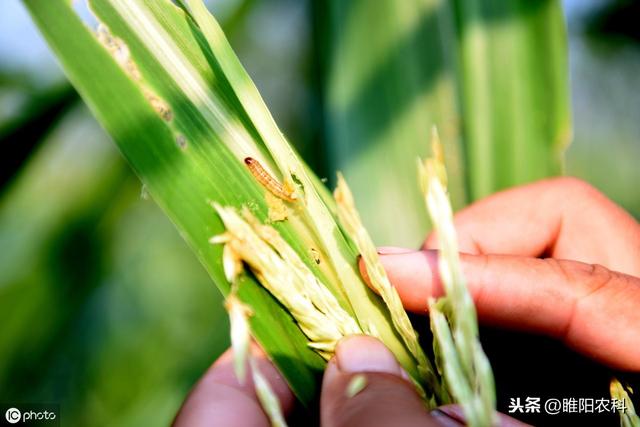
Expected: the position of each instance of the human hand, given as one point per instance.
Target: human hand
(387, 398)
(586, 292)
(554, 257)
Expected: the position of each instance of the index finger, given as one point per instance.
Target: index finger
(219, 398)
(559, 218)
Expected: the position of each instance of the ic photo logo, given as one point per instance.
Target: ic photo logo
(33, 414)
(13, 415)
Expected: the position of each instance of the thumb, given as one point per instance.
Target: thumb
(384, 396)
(592, 309)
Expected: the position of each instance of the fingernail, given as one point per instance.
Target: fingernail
(359, 353)
(444, 419)
(453, 412)
(390, 250)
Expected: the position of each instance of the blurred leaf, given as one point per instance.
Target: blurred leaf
(22, 132)
(492, 75)
(389, 79)
(615, 20)
(48, 264)
(515, 91)
(96, 287)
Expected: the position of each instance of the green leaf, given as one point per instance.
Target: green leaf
(515, 91)
(182, 175)
(491, 75)
(389, 77)
(167, 86)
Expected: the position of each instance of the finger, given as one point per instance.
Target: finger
(561, 218)
(220, 399)
(455, 412)
(386, 399)
(589, 307)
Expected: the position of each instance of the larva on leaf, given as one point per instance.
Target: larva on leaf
(267, 181)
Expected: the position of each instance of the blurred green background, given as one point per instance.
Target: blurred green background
(104, 309)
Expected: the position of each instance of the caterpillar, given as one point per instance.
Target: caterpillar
(267, 181)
